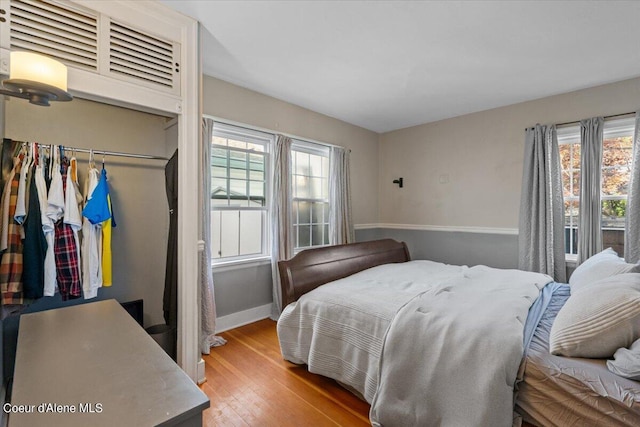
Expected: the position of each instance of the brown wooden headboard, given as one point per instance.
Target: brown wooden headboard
(314, 267)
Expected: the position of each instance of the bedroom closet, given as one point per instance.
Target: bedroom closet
(136, 186)
(137, 190)
(132, 68)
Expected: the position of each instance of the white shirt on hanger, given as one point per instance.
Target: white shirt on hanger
(91, 246)
(21, 205)
(55, 209)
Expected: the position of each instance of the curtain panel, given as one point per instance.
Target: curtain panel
(632, 225)
(541, 239)
(281, 216)
(590, 220)
(340, 221)
(208, 338)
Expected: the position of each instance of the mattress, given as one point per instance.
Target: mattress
(567, 391)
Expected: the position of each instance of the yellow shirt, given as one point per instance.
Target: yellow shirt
(106, 249)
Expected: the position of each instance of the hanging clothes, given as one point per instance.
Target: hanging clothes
(35, 245)
(65, 249)
(99, 211)
(48, 229)
(170, 298)
(5, 204)
(8, 151)
(92, 242)
(72, 200)
(21, 203)
(11, 262)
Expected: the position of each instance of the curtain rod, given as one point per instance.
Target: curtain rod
(577, 122)
(106, 153)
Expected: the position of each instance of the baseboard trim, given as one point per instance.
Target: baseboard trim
(445, 228)
(241, 318)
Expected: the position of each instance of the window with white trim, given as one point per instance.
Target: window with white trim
(617, 150)
(310, 194)
(240, 170)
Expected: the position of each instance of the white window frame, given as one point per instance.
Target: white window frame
(571, 135)
(265, 139)
(322, 150)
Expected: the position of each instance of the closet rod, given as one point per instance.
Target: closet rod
(117, 153)
(107, 153)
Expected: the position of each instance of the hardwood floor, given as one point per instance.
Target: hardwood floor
(250, 384)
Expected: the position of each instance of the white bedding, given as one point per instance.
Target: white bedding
(339, 331)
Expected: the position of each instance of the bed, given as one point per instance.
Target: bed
(348, 309)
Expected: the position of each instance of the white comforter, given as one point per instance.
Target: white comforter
(444, 342)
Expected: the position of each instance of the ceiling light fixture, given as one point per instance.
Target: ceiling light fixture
(37, 78)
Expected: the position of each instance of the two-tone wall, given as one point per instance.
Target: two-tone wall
(462, 176)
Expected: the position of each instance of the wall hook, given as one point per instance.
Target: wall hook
(398, 181)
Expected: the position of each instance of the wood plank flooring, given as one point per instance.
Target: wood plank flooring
(250, 384)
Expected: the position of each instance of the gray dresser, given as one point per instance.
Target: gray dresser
(93, 365)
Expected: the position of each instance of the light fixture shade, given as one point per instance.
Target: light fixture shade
(38, 68)
(37, 78)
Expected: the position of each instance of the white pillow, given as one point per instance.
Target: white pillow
(627, 362)
(600, 319)
(604, 264)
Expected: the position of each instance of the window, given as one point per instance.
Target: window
(239, 192)
(310, 194)
(616, 169)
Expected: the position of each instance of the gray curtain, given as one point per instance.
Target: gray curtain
(541, 239)
(208, 338)
(340, 221)
(281, 216)
(590, 212)
(632, 226)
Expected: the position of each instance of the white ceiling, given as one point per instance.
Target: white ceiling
(385, 65)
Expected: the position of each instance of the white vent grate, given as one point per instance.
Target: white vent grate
(141, 56)
(54, 30)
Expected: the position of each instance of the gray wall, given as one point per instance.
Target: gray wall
(461, 248)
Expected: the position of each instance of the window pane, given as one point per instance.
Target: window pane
(302, 163)
(615, 181)
(613, 213)
(317, 213)
(571, 209)
(219, 186)
(219, 171)
(316, 235)
(617, 151)
(316, 188)
(229, 235)
(238, 187)
(237, 144)
(255, 147)
(315, 165)
(256, 188)
(326, 234)
(219, 140)
(304, 236)
(304, 213)
(301, 187)
(251, 232)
